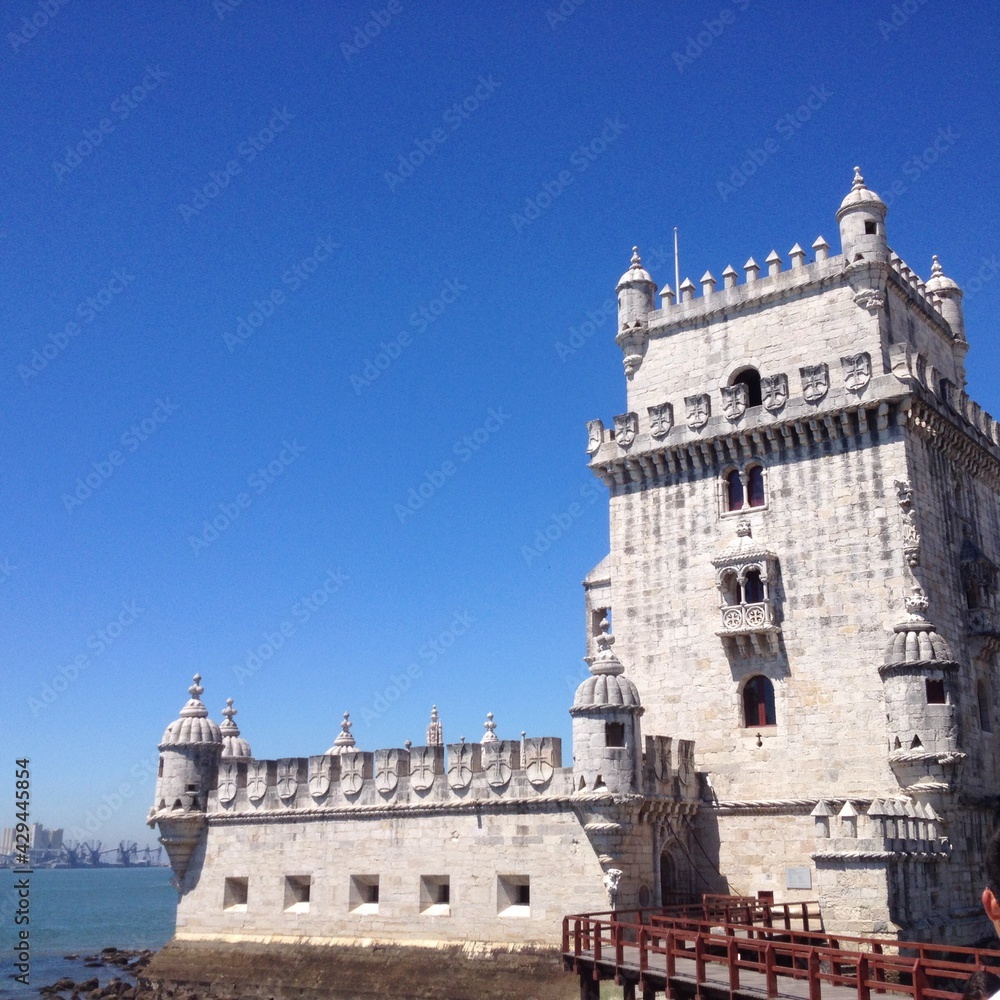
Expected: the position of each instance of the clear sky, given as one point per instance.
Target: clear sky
(305, 307)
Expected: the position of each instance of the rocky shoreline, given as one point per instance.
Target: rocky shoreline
(131, 963)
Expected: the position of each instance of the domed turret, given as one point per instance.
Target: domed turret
(344, 741)
(607, 740)
(235, 749)
(189, 762)
(949, 296)
(636, 292)
(862, 223)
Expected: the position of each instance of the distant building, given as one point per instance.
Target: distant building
(39, 839)
(803, 575)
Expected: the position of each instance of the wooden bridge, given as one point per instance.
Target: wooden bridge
(730, 947)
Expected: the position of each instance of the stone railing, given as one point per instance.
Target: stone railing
(743, 619)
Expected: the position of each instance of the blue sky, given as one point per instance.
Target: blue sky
(306, 306)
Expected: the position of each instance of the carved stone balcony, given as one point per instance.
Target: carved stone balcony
(750, 626)
(984, 621)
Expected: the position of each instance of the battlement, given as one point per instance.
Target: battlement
(431, 776)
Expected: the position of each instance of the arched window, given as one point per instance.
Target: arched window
(731, 589)
(755, 486)
(753, 587)
(758, 702)
(734, 491)
(750, 377)
(982, 694)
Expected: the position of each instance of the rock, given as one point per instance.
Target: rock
(61, 985)
(71, 958)
(90, 984)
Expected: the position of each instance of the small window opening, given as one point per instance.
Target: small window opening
(192, 788)
(972, 595)
(435, 895)
(750, 377)
(235, 894)
(614, 734)
(297, 892)
(897, 745)
(524, 895)
(159, 770)
(755, 486)
(364, 894)
(731, 589)
(758, 702)
(915, 742)
(513, 895)
(734, 491)
(982, 694)
(753, 587)
(870, 229)
(935, 692)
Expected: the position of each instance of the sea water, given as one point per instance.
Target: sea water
(79, 911)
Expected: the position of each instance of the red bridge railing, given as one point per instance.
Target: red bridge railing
(719, 942)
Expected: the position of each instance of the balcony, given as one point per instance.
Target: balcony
(750, 626)
(984, 621)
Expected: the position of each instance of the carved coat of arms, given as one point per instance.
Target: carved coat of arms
(774, 391)
(228, 782)
(352, 772)
(626, 428)
(288, 778)
(857, 371)
(698, 409)
(498, 763)
(538, 763)
(734, 401)
(386, 770)
(422, 767)
(661, 419)
(320, 776)
(815, 382)
(461, 758)
(256, 780)
(595, 434)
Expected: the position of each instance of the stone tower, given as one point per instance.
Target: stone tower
(796, 458)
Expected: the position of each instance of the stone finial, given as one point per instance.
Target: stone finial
(196, 690)
(435, 732)
(687, 290)
(729, 277)
(229, 727)
(859, 181)
(408, 744)
(773, 262)
(344, 740)
(605, 661)
(668, 296)
(752, 269)
(707, 284)
(798, 256)
(194, 709)
(490, 726)
(936, 270)
(916, 604)
(636, 263)
(822, 248)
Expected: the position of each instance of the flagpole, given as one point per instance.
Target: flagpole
(677, 269)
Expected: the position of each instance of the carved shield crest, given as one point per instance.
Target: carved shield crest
(228, 782)
(422, 760)
(497, 763)
(626, 428)
(734, 401)
(857, 371)
(386, 770)
(352, 772)
(256, 780)
(699, 409)
(320, 776)
(538, 760)
(661, 419)
(288, 778)
(815, 382)
(595, 434)
(774, 391)
(460, 765)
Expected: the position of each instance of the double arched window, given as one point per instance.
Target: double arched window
(745, 487)
(758, 702)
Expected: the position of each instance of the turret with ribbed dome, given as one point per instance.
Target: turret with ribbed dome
(636, 292)
(189, 761)
(949, 301)
(607, 740)
(862, 223)
(235, 749)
